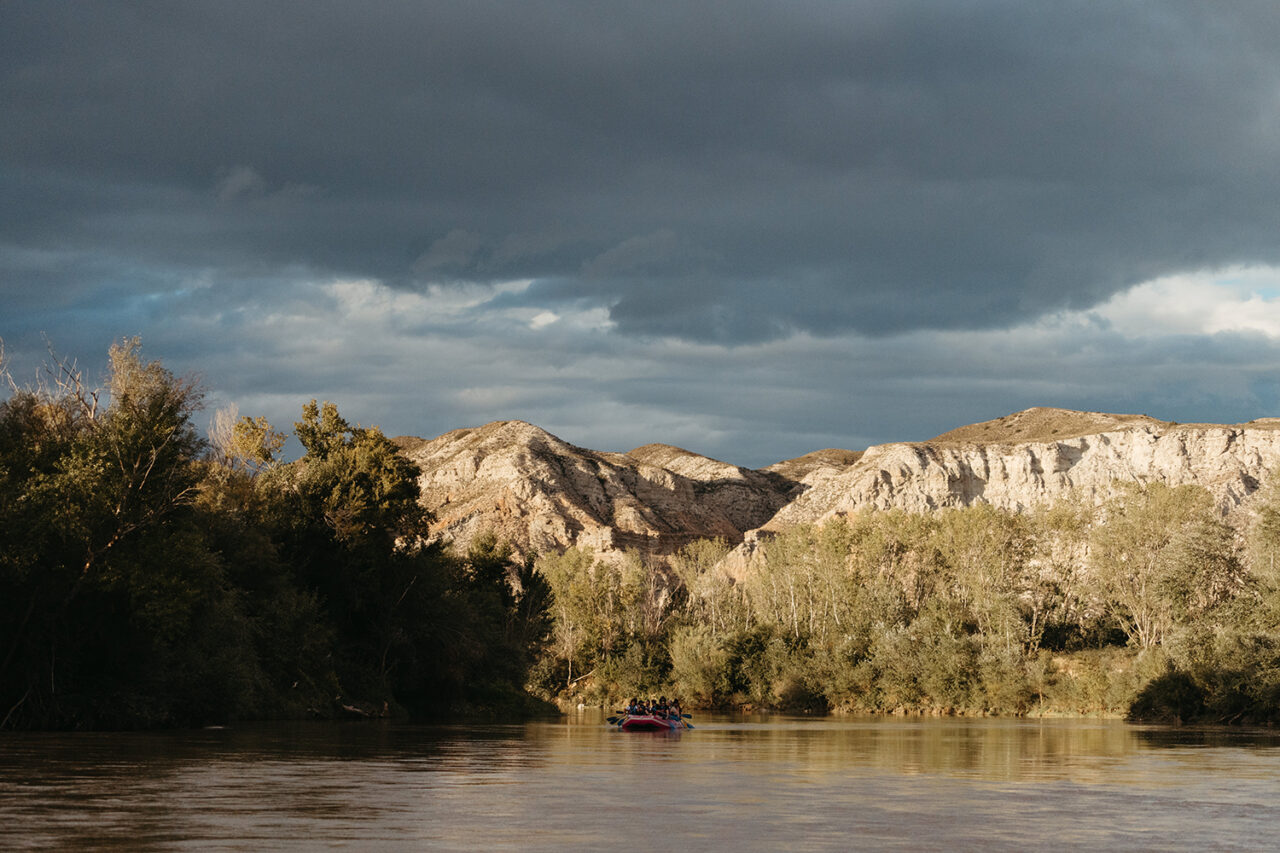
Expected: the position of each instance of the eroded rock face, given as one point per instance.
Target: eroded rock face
(542, 494)
(1230, 462)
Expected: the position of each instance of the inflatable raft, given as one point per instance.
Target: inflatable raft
(651, 723)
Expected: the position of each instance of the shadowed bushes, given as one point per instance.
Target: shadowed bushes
(148, 579)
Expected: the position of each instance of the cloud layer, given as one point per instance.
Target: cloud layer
(755, 228)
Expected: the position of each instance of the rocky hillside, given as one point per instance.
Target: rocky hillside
(541, 493)
(1041, 455)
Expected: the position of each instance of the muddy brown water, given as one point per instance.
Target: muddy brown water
(737, 784)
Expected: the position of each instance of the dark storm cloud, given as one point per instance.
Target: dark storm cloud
(711, 171)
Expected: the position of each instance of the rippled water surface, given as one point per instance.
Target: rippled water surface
(729, 784)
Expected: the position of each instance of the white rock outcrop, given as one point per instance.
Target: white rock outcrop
(1230, 462)
(542, 494)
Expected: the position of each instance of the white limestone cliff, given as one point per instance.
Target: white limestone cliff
(1230, 462)
(543, 494)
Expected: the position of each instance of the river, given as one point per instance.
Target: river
(736, 784)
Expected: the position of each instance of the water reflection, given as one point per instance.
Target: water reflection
(990, 749)
(750, 783)
(1178, 737)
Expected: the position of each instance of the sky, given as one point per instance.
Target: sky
(752, 229)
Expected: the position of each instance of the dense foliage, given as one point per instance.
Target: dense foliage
(1145, 605)
(149, 579)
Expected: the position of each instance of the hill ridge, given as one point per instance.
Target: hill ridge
(541, 493)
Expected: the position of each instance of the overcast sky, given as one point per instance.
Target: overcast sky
(752, 229)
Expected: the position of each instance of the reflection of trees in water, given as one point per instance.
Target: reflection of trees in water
(989, 749)
(1180, 738)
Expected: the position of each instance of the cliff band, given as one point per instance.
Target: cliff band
(542, 494)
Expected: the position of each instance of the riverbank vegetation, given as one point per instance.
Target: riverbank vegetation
(149, 577)
(1149, 605)
(152, 577)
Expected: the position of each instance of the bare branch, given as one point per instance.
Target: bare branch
(5, 375)
(222, 432)
(68, 381)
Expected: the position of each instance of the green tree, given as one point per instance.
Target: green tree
(699, 666)
(149, 580)
(115, 585)
(804, 582)
(1263, 555)
(1061, 604)
(987, 552)
(571, 577)
(1161, 554)
(507, 603)
(245, 443)
(530, 622)
(346, 518)
(712, 598)
(322, 430)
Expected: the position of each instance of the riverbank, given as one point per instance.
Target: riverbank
(1108, 683)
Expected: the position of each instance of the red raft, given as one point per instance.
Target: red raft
(651, 723)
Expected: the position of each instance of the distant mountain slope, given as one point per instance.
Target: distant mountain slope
(1041, 455)
(1042, 425)
(819, 462)
(542, 494)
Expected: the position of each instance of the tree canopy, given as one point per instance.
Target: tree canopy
(149, 577)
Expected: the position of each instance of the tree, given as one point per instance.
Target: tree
(530, 622)
(137, 464)
(711, 596)
(147, 582)
(114, 584)
(569, 575)
(346, 519)
(322, 430)
(988, 554)
(1263, 553)
(244, 443)
(1058, 599)
(1161, 554)
(354, 480)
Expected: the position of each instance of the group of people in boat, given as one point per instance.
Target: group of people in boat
(661, 708)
